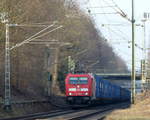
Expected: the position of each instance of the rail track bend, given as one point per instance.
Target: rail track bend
(88, 113)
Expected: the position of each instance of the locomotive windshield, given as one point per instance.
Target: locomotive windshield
(78, 80)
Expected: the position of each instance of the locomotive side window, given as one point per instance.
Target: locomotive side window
(78, 80)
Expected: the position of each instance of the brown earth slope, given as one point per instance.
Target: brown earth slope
(139, 111)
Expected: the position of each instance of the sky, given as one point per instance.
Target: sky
(117, 29)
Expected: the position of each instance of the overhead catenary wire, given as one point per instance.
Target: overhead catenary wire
(115, 5)
(115, 9)
(117, 24)
(29, 25)
(120, 12)
(116, 33)
(125, 53)
(34, 36)
(124, 38)
(136, 45)
(120, 33)
(102, 7)
(104, 13)
(107, 18)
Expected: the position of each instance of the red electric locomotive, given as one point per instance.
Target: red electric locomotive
(79, 88)
(88, 88)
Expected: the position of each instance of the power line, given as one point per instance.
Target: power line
(33, 37)
(105, 16)
(136, 45)
(115, 32)
(115, 5)
(118, 34)
(101, 7)
(109, 20)
(120, 12)
(105, 13)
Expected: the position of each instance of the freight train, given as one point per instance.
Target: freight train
(85, 89)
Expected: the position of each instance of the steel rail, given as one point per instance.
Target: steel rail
(86, 113)
(67, 113)
(98, 114)
(41, 115)
(28, 101)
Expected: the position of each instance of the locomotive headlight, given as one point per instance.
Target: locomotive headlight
(86, 93)
(84, 89)
(72, 89)
(70, 93)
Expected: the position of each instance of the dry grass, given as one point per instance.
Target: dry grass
(19, 110)
(139, 111)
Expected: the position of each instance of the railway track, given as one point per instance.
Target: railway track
(93, 113)
(90, 113)
(41, 115)
(98, 113)
(28, 102)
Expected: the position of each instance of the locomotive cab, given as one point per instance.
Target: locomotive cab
(78, 88)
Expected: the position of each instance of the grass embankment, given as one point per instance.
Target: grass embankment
(138, 111)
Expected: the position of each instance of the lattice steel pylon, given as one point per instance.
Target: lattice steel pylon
(7, 97)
